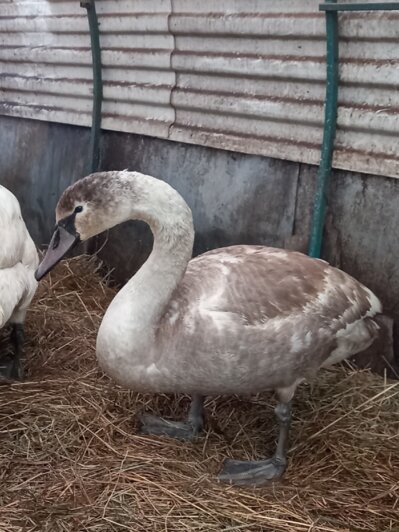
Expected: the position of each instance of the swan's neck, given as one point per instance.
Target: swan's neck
(135, 313)
(149, 291)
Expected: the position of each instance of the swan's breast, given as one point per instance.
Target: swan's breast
(16, 245)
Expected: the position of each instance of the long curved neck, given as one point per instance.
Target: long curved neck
(150, 289)
(136, 310)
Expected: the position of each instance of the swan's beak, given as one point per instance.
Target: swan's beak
(61, 242)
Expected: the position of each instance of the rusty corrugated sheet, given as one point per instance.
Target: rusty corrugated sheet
(245, 75)
(45, 63)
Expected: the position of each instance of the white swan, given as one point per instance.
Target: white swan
(240, 319)
(18, 262)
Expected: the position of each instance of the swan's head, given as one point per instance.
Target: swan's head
(85, 209)
(105, 199)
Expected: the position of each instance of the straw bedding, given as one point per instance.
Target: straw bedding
(71, 458)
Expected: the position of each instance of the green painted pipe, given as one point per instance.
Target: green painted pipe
(374, 6)
(330, 123)
(94, 161)
(330, 117)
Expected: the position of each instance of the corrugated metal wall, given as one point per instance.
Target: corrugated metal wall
(245, 75)
(45, 63)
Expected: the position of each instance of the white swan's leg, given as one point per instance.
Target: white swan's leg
(18, 339)
(261, 472)
(187, 430)
(11, 366)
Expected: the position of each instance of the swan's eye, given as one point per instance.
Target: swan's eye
(79, 208)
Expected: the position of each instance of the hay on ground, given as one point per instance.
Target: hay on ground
(71, 458)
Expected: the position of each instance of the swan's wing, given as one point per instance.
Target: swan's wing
(249, 318)
(255, 284)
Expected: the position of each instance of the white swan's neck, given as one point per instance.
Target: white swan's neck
(130, 322)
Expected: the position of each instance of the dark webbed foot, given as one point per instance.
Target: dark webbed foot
(259, 473)
(243, 473)
(157, 426)
(181, 430)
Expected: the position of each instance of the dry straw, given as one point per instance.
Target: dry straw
(71, 458)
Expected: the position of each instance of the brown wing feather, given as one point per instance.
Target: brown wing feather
(259, 283)
(250, 318)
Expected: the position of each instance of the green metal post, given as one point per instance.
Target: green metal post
(94, 160)
(330, 119)
(330, 123)
(373, 6)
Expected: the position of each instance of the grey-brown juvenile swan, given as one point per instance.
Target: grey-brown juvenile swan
(240, 319)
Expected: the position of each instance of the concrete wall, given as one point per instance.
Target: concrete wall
(235, 198)
(38, 160)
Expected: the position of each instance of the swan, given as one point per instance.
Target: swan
(18, 262)
(235, 320)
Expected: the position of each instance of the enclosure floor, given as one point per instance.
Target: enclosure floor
(71, 458)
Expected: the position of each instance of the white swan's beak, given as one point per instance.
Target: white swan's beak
(61, 242)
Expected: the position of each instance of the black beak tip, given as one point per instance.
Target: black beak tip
(61, 242)
(41, 272)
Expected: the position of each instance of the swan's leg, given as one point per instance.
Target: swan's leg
(10, 366)
(18, 339)
(263, 471)
(187, 430)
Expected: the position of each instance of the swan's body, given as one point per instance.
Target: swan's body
(241, 319)
(18, 261)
